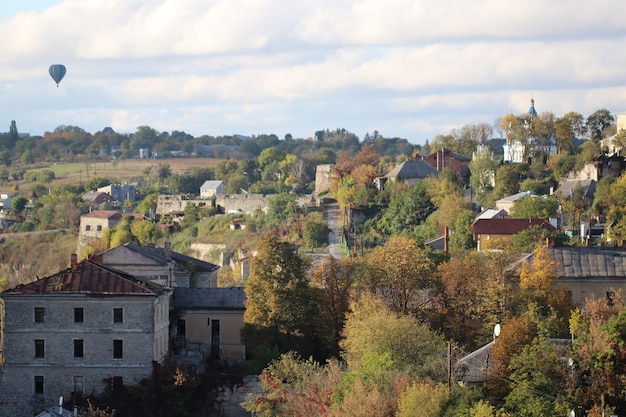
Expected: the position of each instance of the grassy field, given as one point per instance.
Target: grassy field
(117, 171)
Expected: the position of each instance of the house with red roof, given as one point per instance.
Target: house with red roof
(497, 231)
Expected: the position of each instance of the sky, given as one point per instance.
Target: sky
(406, 68)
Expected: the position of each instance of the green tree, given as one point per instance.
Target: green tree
(121, 233)
(280, 208)
(18, 203)
(507, 182)
(399, 342)
(407, 211)
(280, 310)
(148, 205)
(27, 157)
(269, 156)
(315, 232)
(144, 137)
(538, 380)
(163, 171)
(423, 400)
(597, 124)
(483, 171)
(535, 207)
(144, 231)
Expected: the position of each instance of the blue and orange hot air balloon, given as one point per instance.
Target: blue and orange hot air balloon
(57, 72)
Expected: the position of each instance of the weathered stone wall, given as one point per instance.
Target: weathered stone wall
(144, 336)
(232, 203)
(322, 178)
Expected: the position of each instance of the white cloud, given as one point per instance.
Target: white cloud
(414, 67)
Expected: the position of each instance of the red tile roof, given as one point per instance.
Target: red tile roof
(87, 278)
(507, 226)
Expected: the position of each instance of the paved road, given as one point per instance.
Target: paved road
(335, 221)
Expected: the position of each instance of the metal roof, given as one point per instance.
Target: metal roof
(587, 186)
(159, 255)
(589, 263)
(413, 168)
(209, 298)
(87, 278)
(211, 184)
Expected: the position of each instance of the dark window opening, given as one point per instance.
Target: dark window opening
(78, 348)
(181, 328)
(79, 315)
(39, 314)
(38, 384)
(118, 349)
(40, 348)
(215, 339)
(118, 315)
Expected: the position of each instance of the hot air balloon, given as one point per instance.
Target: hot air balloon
(57, 72)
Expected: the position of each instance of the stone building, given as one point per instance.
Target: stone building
(76, 331)
(323, 175)
(162, 266)
(121, 192)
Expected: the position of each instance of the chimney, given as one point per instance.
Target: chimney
(73, 260)
(445, 239)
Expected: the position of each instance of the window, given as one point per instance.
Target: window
(79, 315)
(38, 384)
(181, 328)
(39, 314)
(215, 339)
(78, 348)
(87, 228)
(118, 315)
(40, 348)
(118, 348)
(98, 228)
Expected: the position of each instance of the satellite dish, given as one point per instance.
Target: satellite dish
(496, 330)
(572, 414)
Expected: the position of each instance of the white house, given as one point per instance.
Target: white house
(211, 188)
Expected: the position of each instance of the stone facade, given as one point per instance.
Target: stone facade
(231, 203)
(74, 331)
(322, 178)
(93, 224)
(120, 192)
(161, 266)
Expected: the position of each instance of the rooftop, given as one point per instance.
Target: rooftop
(87, 278)
(508, 226)
(216, 298)
(412, 168)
